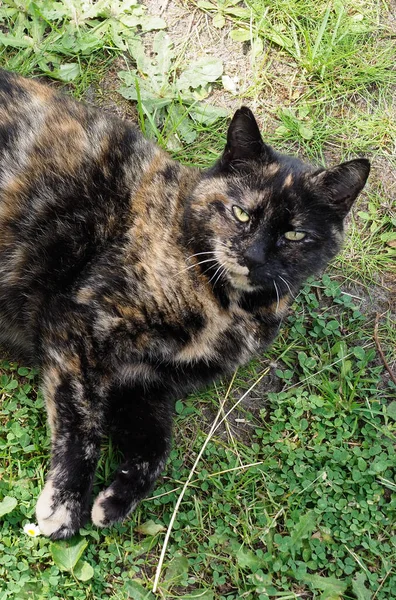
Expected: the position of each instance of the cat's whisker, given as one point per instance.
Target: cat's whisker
(215, 273)
(199, 254)
(223, 245)
(195, 265)
(277, 296)
(221, 267)
(288, 286)
(222, 272)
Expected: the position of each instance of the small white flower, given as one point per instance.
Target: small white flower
(32, 530)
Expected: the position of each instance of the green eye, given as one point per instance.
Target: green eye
(240, 214)
(295, 236)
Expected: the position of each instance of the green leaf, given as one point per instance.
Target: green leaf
(218, 21)
(332, 587)
(240, 35)
(305, 132)
(359, 352)
(362, 593)
(149, 528)
(33, 590)
(200, 73)
(198, 595)
(280, 40)
(7, 505)
(83, 571)
(163, 47)
(67, 553)
(68, 72)
(177, 568)
(239, 12)
(205, 5)
(143, 62)
(149, 100)
(180, 123)
(282, 130)
(136, 591)
(157, 71)
(15, 42)
(248, 560)
(143, 547)
(207, 114)
(391, 410)
(150, 22)
(54, 10)
(388, 236)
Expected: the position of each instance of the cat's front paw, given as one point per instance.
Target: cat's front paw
(109, 508)
(59, 514)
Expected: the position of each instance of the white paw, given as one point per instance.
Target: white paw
(54, 518)
(98, 514)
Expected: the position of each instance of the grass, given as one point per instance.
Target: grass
(294, 494)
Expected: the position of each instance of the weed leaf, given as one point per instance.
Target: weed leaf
(207, 114)
(66, 554)
(163, 47)
(14, 41)
(136, 591)
(7, 505)
(198, 595)
(240, 35)
(303, 529)
(391, 410)
(331, 587)
(149, 528)
(67, 72)
(83, 571)
(305, 132)
(248, 560)
(362, 593)
(200, 73)
(150, 22)
(177, 568)
(218, 21)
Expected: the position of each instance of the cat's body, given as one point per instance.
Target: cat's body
(131, 279)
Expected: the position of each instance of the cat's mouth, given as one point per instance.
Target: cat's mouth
(244, 279)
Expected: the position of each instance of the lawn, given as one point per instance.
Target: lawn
(281, 481)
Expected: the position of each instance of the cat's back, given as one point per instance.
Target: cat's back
(66, 168)
(44, 132)
(68, 172)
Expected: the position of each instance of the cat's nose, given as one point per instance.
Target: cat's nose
(254, 256)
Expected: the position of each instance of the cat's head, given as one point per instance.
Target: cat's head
(267, 221)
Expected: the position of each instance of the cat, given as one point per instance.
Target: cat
(132, 280)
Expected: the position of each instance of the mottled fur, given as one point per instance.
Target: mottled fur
(129, 280)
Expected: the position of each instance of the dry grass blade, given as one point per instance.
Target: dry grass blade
(215, 425)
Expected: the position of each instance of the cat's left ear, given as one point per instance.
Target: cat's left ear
(343, 184)
(244, 141)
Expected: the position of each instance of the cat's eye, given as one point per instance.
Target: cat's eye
(240, 214)
(295, 236)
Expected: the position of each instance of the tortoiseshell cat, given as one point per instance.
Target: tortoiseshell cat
(131, 279)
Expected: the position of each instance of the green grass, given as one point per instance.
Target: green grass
(294, 495)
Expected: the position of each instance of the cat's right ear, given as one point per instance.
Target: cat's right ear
(342, 184)
(244, 141)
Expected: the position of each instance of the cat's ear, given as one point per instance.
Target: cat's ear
(343, 184)
(244, 141)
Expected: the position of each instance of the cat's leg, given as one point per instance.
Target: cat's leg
(142, 428)
(75, 418)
